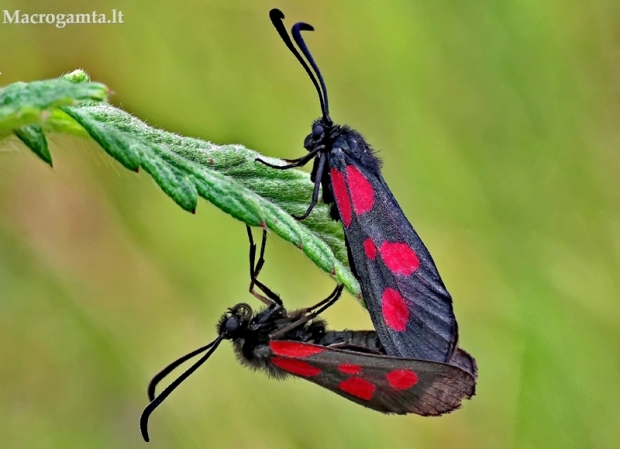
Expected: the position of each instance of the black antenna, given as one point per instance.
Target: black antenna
(277, 17)
(296, 31)
(167, 370)
(144, 419)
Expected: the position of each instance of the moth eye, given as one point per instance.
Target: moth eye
(317, 131)
(232, 324)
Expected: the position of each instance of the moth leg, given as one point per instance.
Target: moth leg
(305, 158)
(299, 162)
(338, 345)
(307, 313)
(327, 302)
(269, 297)
(315, 192)
(345, 345)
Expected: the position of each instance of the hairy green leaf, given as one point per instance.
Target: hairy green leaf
(26, 103)
(34, 138)
(185, 168)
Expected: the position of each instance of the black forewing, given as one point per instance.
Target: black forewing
(431, 332)
(440, 388)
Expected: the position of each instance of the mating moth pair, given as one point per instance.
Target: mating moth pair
(411, 362)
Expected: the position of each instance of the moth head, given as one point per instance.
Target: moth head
(236, 321)
(317, 135)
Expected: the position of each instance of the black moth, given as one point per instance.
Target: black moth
(409, 305)
(352, 364)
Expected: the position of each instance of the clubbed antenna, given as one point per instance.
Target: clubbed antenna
(144, 419)
(277, 17)
(296, 31)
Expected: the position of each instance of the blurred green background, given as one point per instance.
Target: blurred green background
(498, 125)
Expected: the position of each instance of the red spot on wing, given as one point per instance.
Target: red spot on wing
(293, 349)
(370, 248)
(401, 379)
(358, 387)
(342, 197)
(394, 308)
(362, 193)
(349, 368)
(400, 258)
(297, 367)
